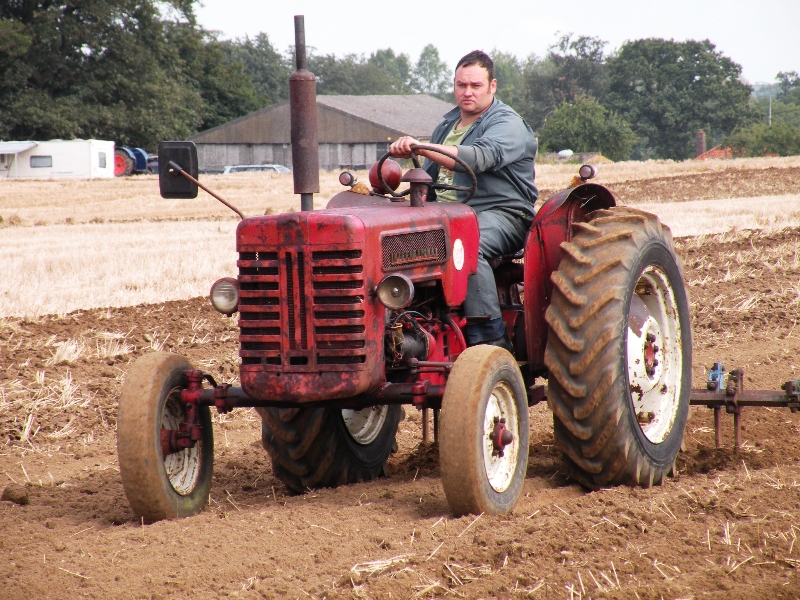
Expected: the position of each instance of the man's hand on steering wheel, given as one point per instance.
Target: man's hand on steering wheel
(401, 147)
(438, 153)
(429, 150)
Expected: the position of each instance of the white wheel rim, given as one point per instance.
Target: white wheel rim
(500, 469)
(364, 425)
(655, 388)
(183, 467)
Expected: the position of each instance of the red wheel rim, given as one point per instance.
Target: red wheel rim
(119, 165)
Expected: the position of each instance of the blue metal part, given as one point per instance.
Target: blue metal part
(139, 159)
(716, 377)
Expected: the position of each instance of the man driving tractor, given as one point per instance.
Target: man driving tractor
(499, 146)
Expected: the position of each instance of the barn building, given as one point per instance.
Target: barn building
(353, 131)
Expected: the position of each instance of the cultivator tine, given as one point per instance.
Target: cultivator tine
(718, 426)
(730, 396)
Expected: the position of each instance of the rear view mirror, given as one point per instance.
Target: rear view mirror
(170, 182)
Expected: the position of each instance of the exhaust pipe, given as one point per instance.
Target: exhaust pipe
(303, 108)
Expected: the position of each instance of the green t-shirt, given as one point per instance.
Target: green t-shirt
(446, 175)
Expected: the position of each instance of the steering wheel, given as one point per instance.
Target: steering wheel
(470, 189)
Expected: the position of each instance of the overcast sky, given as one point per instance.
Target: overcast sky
(761, 35)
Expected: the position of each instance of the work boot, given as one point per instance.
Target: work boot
(502, 342)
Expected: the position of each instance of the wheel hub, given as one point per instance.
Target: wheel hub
(182, 455)
(500, 436)
(654, 355)
(501, 430)
(364, 425)
(650, 350)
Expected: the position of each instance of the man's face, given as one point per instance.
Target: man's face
(473, 90)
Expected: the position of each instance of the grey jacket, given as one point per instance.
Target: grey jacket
(500, 148)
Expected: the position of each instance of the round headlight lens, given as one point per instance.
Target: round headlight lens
(587, 172)
(225, 295)
(395, 291)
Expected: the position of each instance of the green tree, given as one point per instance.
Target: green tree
(789, 86)
(91, 68)
(382, 73)
(586, 126)
(780, 138)
(668, 90)
(574, 66)
(431, 74)
(267, 68)
(225, 90)
(133, 71)
(776, 110)
(508, 73)
(396, 67)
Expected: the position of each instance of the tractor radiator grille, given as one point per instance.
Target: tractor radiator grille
(302, 310)
(411, 248)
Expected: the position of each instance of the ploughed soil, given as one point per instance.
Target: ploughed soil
(729, 183)
(726, 526)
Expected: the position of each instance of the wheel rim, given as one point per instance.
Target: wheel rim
(655, 363)
(119, 165)
(364, 425)
(500, 469)
(183, 467)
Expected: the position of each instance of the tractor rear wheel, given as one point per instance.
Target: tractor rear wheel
(483, 432)
(123, 163)
(157, 486)
(327, 447)
(619, 350)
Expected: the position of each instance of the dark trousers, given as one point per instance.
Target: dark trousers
(501, 233)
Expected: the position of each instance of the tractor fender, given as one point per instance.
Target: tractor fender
(551, 227)
(139, 156)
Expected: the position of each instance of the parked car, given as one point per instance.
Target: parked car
(249, 168)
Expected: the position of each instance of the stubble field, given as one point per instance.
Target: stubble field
(725, 527)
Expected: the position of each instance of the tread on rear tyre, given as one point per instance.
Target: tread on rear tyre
(328, 447)
(159, 487)
(485, 384)
(619, 350)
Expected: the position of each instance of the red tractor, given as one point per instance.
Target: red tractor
(347, 313)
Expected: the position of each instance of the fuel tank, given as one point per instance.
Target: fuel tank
(311, 327)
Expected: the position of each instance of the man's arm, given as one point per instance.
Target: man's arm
(506, 139)
(401, 148)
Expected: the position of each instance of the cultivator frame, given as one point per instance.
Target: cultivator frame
(731, 396)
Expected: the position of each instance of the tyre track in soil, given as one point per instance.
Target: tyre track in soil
(726, 527)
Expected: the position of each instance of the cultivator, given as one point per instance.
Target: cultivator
(725, 391)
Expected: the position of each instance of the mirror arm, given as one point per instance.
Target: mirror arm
(175, 167)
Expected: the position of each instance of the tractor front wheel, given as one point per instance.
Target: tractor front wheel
(619, 350)
(483, 432)
(328, 447)
(160, 486)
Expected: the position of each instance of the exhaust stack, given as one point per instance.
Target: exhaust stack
(303, 107)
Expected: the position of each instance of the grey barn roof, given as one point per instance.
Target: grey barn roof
(340, 119)
(416, 115)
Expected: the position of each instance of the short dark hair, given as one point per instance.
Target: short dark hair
(480, 58)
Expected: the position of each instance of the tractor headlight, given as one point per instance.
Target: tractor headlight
(395, 291)
(225, 295)
(587, 172)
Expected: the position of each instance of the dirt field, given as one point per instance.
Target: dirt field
(725, 527)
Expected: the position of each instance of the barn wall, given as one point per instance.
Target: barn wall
(272, 125)
(331, 156)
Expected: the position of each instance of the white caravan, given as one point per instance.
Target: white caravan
(85, 159)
